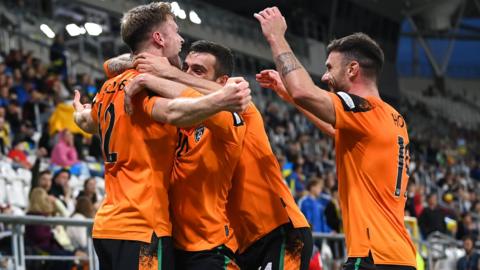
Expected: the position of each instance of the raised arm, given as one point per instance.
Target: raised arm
(82, 115)
(187, 112)
(271, 79)
(297, 81)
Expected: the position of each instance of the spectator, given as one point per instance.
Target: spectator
(467, 227)
(432, 218)
(64, 153)
(296, 180)
(58, 56)
(44, 180)
(90, 191)
(471, 260)
(313, 208)
(78, 235)
(4, 136)
(17, 154)
(61, 189)
(40, 238)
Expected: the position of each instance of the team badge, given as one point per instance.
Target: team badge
(198, 133)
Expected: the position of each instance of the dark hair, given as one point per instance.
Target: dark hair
(137, 23)
(361, 48)
(40, 174)
(85, 207)
(469, 236)
(223, 56)
(60, 171)
(87, 180)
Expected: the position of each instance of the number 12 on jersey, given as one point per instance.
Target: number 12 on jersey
(110, 157)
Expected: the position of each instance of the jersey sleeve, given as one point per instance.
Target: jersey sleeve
(226, 126)
(352, 112)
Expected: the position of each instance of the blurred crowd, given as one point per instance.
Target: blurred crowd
(37, 133)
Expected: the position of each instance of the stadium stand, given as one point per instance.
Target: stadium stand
(444, 134)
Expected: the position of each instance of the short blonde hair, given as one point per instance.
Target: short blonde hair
(137, 23)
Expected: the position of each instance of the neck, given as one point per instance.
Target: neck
(151, 50)
(364, 88)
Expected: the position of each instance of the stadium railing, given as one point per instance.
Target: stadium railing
(17, 239)
(433, 249)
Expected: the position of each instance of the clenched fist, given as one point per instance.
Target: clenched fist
(272, 22)
(236, 95)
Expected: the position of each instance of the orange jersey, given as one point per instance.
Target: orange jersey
(138, 155)
(202, 175)
(259, 201)
(372, 155)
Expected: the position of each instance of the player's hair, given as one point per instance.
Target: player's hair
(138, 22)
(361, 48)
(223, 56)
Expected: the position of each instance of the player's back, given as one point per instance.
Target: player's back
(138, 155)
(371, 144)
(259, 200)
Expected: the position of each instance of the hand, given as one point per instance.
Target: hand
(236, 95)
(42, 152)
(79, 107)
(136, 85)
(270, 78)
(272, 22)
(156, 65)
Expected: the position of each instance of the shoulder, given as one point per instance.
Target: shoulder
(354, 103)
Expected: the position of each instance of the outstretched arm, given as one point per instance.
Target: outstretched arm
(297, 81)
(82, 115)
(271, 79)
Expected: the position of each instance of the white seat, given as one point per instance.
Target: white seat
(3, 191)
(16, 194)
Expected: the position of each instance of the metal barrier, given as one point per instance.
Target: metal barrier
(435, 247)
(18, 245)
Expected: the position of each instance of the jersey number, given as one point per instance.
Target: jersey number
(109, 156)
(402, 152)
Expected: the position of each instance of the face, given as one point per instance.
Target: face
(201, 65)
(172, 41)
(432, 201)
(68, 136)
(45, 181)
(336, 76)
(62, 179)
(468, 244)
(317, 189)
(91, 186)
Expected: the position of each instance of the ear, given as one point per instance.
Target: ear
(353, 69)
(158, 39)
(222, 79)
